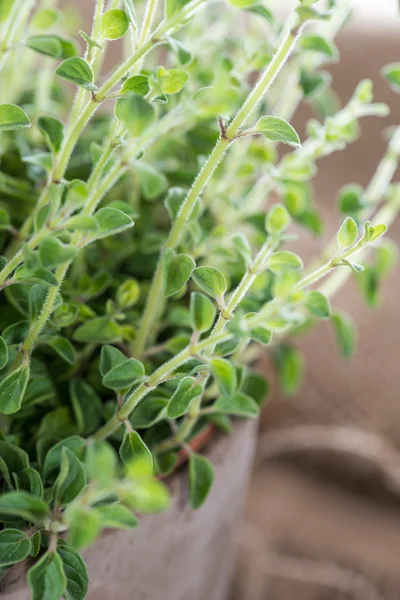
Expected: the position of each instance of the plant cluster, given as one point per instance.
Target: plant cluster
(138, 273)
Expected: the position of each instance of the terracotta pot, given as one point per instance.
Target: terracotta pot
(177, 555)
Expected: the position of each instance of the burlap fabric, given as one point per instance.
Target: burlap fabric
(323, 515)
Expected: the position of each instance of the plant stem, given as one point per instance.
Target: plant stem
(155, 300)
(150, 12)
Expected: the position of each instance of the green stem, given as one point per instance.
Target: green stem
(148, 19)
(154, 302)
(18, 257)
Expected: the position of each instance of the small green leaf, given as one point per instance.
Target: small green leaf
(71, 480)
(347, 233)
(117, 516)
(351, 199)
(53, 132)
(317, 43)
(172, 81)
(290, 368)
(78, 71)
(75, 572)
(29, 480)
(3, 353)
(261, 335)
(100, 330)
(64, 348)
(100, 462)
(85, 526)
(318, 305)
(244, 3)
(133, 448)
(138, 84)
(135, 113)
(53, 252)
(12, 390)
(14, 460)
(177, 269)
(225, 373)
(123, 375)
(24, 505)
(283, 261)
(345, 333)
(276, 129)
(201, 477)
(306, 13)
(202, 312)
(52, 461)
(239, 405)
(173, 6)
(114, 24)
(188, 389)
(392, 74)
(152, 182)
(211, 281)
(91, 43)
(111, 221)
(49, 45)
(14, 546)
(12, 117)
(82, 223)
(277, 220)
(46, 578)
(110, 357)
(128, 293)
(376, 231)
(44, 18)
(37, 275)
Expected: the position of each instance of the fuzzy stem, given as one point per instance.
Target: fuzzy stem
(148, 19)
(154, 303)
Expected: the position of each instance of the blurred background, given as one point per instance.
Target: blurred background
(322, 520)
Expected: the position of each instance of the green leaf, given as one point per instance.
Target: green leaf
(49, 45)
(86, 406)
(376, 231)
(85, 526)
(78, 71)
(261, 335)
(290, 368)
(12, 117)
(173, 6)
(351, 199)
(317, 43)
(75, 572)
(172, 81)
(225, 373)
(14, 546)
(44, 18)
(283, 261)
(202, 312)
(37, 275)
(91, 43)
(13, 460)
(114, 24)
(71, 480)
(12, 390)
(123, 375)
(134, 448)
(306, 13)
(101, 462)
(318, 305)
(52, 461)
(188, 389)
(24, 505)
(152, 182)
(53, 253)
(117, 516)
(277, 220)
(64, 348)
(392, 74)
(347, 233)
(345, 332)
(128, 293)
(211, 281)
(53, 132)
(135, 113)
(111, 221)
(82, 223)
(276, 129)
(46, 578)
(100, 330)
(148, 412)
(183, 55)
(110, 357)
(239, 405)
(176, 269)
(138, 84)
(201, 477)
(29, 480)
(3, 353)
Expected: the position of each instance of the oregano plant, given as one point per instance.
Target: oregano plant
(146, 220)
